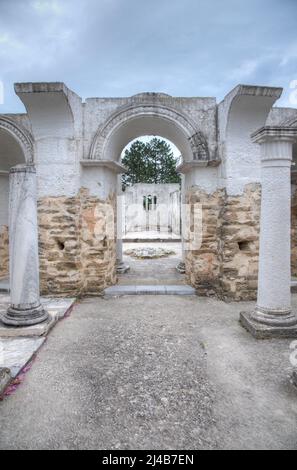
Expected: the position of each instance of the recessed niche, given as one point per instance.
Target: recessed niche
(245, 245)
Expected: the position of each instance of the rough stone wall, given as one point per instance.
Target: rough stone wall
(294, 233)
(98, 244)
(226, 265)
(75, 255)
(4, 252)
(240, 244)
(59, 250)
(203, 265)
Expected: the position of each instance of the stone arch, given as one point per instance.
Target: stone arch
(21, 135)
(16, 148)
(242, 112)
(133, 121)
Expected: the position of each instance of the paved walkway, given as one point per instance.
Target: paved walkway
(153, 272)
(154, 373)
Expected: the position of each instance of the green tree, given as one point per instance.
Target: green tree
(151, 162)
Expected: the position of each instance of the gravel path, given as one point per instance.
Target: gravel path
(153, 373)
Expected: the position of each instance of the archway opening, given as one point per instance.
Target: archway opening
(11, 154)
(147, 116)
(151, 222)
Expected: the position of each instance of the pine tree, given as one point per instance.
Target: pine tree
(151, 162)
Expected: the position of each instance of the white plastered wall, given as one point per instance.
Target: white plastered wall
(55, 115)
(244, 110)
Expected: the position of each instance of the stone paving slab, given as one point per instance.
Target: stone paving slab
(56, 308)
(16, 353)
(5, 379)
(18, 345)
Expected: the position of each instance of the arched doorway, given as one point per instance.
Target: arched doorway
(149, 227)
(146, 116)
(16, 147)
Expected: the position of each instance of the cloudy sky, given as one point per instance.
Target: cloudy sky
(123, 47)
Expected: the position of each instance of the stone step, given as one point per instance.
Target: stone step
(118, 291)
(294, 286)
(4, 286)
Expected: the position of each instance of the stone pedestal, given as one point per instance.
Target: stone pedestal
(25, 308)
(273, 316)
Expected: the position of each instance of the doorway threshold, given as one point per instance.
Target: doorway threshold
(119, 290)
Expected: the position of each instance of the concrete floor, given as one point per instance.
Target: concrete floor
(154, 372)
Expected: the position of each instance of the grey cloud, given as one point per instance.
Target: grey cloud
(122, 47)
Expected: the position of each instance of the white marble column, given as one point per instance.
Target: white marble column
(273, 314)
(25, 308)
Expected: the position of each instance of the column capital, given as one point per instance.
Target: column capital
(276, 145)
(274, 134)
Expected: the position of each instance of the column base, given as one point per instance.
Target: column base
(24, 317)
(122, 268)
(181, 267)
(283, 327)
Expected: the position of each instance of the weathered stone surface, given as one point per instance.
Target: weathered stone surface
(59, 245)
(149, 253)
(98, 243)
(203, 265)
(262, 331)
(17, 353)
(4, 252)
(76, 253)
(240, 244)
(5, 378)
(226, 265)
